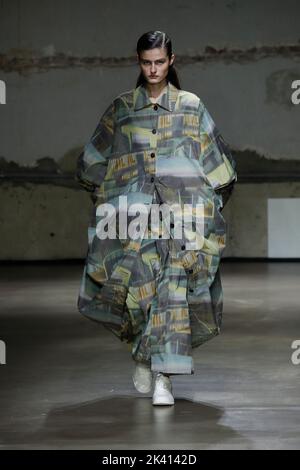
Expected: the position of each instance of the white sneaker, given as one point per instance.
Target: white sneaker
(162, 394)
(142, 377)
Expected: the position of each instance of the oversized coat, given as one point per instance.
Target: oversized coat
(159, 293)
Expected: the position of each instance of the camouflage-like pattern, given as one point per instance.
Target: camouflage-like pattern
(163, 298)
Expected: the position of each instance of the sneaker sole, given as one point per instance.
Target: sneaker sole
(161, 401)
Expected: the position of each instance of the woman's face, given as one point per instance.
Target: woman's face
(154, 64)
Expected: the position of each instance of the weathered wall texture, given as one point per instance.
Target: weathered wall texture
(63, 62)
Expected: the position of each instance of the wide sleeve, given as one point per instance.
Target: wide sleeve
(93, 160)
(215, 157)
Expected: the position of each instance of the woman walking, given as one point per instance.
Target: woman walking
(156, 146)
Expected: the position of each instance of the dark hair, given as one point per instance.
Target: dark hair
(151, 40)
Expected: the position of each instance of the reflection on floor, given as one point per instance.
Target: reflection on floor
(67, 381)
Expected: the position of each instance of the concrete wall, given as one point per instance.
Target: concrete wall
(63, 62)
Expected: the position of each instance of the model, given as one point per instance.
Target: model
(156, 146)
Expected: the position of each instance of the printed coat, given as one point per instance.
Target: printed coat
(158, 293)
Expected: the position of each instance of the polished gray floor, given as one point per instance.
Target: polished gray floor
(67, 381)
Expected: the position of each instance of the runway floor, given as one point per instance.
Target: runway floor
(67, 381)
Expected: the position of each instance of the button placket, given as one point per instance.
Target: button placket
(154, 131)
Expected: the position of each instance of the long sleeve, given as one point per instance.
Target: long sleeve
(93, 160)
(216, 158)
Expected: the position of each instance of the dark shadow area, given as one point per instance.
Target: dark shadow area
(133, 421)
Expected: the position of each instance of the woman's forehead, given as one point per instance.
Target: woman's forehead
(154, 54)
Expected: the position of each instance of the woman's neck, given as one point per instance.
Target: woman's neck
(154, 93)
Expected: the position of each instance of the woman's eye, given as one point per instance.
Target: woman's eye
(148, 63)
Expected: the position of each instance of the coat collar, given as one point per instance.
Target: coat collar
(167, 100)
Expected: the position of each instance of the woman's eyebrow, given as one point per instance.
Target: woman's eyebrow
(147, 60)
